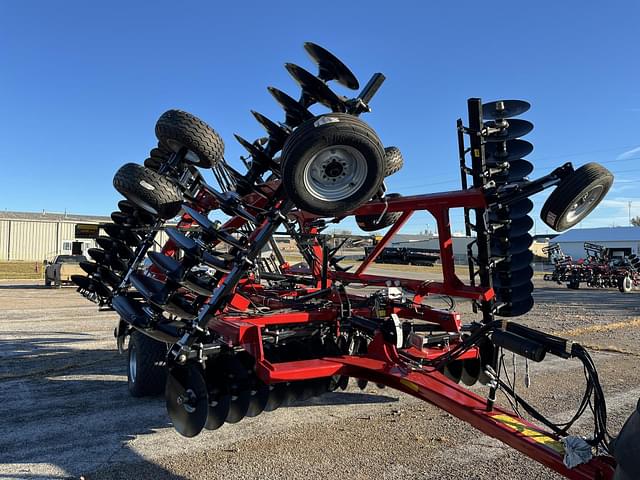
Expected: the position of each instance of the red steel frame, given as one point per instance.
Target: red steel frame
(384, 363)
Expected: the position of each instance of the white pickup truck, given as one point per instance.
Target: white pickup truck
(60, 270)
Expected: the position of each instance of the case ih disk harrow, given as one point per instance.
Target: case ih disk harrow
(598, 269)
(227, 333)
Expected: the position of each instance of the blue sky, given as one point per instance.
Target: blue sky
(82, 84)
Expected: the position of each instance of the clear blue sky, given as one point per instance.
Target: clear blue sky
(82, 83)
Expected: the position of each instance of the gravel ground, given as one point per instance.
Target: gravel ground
(66, 411)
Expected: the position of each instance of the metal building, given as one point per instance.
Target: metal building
(41, 236)
(619, 240)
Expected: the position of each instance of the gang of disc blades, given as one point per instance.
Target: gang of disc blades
(187, 399)
(237, 382)
(508, 151)
(331, 67)
(504, 109)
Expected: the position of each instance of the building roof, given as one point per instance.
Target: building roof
(615, 234)
(52, 217)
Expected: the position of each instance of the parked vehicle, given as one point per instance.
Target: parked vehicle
(62, 268)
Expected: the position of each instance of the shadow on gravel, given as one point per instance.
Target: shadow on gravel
(66, 408)
(29, 286)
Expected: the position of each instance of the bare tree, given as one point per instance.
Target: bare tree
(635, 221)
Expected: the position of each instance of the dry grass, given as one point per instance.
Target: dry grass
(21, 270)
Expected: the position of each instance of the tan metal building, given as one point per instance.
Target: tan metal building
(39, 236)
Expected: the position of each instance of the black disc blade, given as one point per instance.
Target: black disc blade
(315, 89)
(515, 294)
(516, 227)
(126, 206)
(171, 267)
(515, 262)
(120, 218)
(258, 154)
(517, 171)
(259, 389)
(362, 383)
(89, 267)
(512, 278)
(295, 112)
(277, 396)
(109, 277)
(277, 134)
(471, 369)
(331, 68)
(237, 380)
(153, 290)
(511, 245)
(517, 128)
(509, 151)
(200, 218)
(515, 309)
(219, 398)
(504, 109)
(343, 382)
(453, 371)
(512, 211)
(121, 233)
(187, 399)
(184, 243)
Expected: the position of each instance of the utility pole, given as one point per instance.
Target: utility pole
(629, 212)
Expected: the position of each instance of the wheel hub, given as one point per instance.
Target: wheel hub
(335, 173)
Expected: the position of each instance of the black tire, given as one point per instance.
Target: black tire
(625, 284)
(150, 191)
(393, 161)
(588, 184)
(573, 285)
(353, 160)
(147, 366)
(371, 223)
(177, 129)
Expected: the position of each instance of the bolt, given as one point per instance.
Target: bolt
(182, 358)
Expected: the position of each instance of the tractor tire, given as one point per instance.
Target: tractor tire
(576, 196)
(393, 161)
(147, 366)
(625, 284)
(148, 190)
(332, 164)
(177, 129)
(371, 223)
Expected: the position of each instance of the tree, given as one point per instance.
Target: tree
(635, 221)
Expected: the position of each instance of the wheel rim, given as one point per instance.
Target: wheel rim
(335, 173)
(584, 204)
(133, 367)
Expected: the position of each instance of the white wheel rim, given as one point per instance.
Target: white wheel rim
(584, 204)
(335, 173)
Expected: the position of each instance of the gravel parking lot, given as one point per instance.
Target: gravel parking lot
(66, 412)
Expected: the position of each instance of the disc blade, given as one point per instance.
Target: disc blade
(259, 389)
(121, 233)
(184, 243)
(153, 290)
(200, 218)
(471, 369)
(515, 309)
(512, 211)
(515, 294)
(237, 380)
(277, 134)
(512, 278)
(517, 128)
(510, 245)
(515, 262)
(258, 154)
(295, 112)
(517, 171)
(187, 399)
(362, 383)
(126, 206)
(453, 371)
(277, 396)
(89, 267)
(504, 109)
(315, 89)
(219, 399)
(508, 151)
(168, 265)
(331, 68)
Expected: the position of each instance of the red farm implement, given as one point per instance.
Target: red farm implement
(227, 331)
